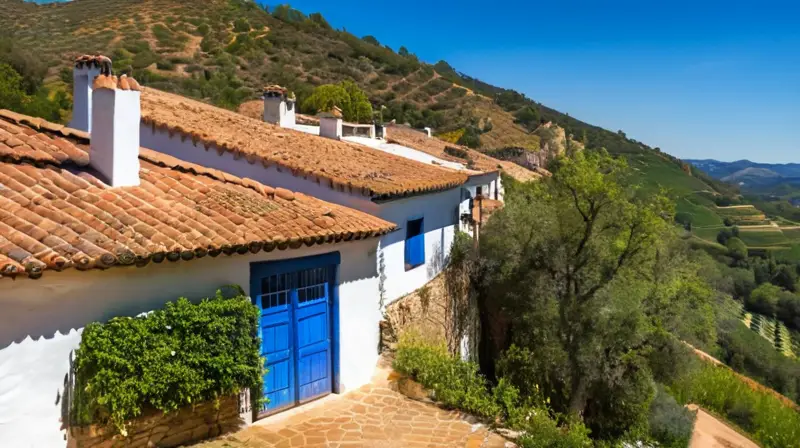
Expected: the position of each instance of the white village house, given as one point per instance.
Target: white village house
(157, 197)
(92, 228)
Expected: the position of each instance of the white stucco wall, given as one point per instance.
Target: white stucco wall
(330, 127)
(278, 111)
(439, 213)
(82, 79)
(41, 321)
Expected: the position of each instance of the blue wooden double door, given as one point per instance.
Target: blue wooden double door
(295, 298)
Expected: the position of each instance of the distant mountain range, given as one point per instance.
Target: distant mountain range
(750, 175)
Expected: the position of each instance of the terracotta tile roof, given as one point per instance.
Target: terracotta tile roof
(55, 214)
(403, 135)
(340, 165)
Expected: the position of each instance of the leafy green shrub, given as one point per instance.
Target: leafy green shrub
(184, 353)
(165, 65)
(763, 299)
(670, 423)
(454, 383)
(456, 152)
(760, 413)
(471, 137)
(241, 25)
(457, 384)
(541, 431)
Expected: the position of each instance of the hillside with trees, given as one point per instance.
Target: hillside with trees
(225, 51)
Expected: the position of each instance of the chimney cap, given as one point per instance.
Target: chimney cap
(274, 88)
(276, 91)
(334, 112)
(112, 82)
(88, 60)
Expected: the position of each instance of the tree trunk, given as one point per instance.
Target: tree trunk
(577, 397)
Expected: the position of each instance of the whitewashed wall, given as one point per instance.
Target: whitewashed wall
(439, 213)
(41, 321)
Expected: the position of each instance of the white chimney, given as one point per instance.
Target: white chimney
(330, 124)
(114, 144)
(279, 106)
(427, 131)
(86, 69)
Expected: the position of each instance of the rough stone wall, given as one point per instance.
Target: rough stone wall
(422, 311)
(156, 429)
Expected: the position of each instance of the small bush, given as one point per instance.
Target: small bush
(454, 383)
(456, 152)
(670, 423)
(241, 25)
(184, 353)
(541, 431)
(165, 65)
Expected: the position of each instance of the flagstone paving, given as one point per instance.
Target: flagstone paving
(373, 416)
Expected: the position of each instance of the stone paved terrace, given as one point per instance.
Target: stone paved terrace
(375, 415)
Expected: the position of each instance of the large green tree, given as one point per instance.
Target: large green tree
(346, 95)
(579, 273)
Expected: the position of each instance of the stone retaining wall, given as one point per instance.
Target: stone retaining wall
(422, 311)
(156, 429)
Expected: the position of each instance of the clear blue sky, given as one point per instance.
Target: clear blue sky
(699, 79)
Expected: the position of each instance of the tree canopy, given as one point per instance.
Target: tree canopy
(591, 285)
(13, 96)
(346, 95)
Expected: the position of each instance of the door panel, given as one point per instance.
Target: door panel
(295, 332)
(277, 342)
(312, 320)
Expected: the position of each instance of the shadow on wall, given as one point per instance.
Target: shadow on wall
(439, 259)
(68, 301)
(65, 398)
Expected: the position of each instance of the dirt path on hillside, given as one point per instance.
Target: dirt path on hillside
(773, 227)
(710, 432)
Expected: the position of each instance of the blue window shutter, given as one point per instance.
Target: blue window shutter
(415, 244)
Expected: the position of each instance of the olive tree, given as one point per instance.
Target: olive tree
(577, 268)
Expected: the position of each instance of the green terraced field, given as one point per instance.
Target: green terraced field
(653, 173)
(774, 331)
(738, 211)
(701, 215)
(707, 233)
(760, 238)
(789, 254)
(791, 234)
